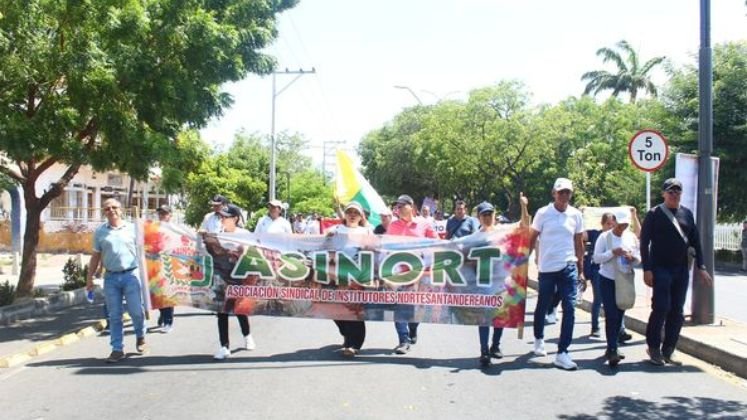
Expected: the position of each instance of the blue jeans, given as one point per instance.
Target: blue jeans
(405, 330)
(565, 283)
(612, 314)
(484, 333)
(117, 286)
(596, 304)
(667, 302)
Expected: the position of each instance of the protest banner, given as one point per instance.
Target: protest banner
(476, 280)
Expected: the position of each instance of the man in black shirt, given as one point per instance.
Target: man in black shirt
(386, 218)
(667, 237)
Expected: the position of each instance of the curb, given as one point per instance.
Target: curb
(37, 307)
(52, 344)
(714, 355)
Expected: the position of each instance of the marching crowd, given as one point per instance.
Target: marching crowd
(567, 256)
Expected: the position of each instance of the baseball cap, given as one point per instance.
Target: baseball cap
(670, 184)
(275, 203)
(164, 209)
(562, 184)
(218, 199)
(405, 199)
(230, 210)
(485, 207)
(355, 205)
(622, 217)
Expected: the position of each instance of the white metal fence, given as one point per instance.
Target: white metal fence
(727, 236)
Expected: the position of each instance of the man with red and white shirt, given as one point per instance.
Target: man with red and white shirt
(407, 225)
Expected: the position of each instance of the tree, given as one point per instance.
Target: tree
(630, 76)
(729, 122)
(110, 84)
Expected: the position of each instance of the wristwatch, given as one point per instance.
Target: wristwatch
(703, 267)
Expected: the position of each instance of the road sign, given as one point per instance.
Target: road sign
(648, 150)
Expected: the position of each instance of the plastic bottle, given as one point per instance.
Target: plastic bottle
(90, 296)
(624, 264)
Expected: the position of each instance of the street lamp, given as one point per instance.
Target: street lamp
(275, 94)
(407, 88)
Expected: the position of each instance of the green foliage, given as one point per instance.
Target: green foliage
(7, 293)
(631, 76)
(74, 275)
(241, 174)
(729, 122)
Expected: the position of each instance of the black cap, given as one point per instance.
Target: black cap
(671, 183)
(405, 199)
(218, 199)
(164, 209)
(230, 210)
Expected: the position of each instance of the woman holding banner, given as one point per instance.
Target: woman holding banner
(231, 222)
(353, 332)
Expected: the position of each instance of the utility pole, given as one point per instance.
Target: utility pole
(330, 148)
(703, 299)
(275, 94)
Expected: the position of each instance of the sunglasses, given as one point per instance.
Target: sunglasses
(674, 191)
(351, 211)
(111, 208)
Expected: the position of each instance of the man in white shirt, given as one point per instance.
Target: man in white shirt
(273, 222)
(312, 225)
(559, 227)
(211, 222)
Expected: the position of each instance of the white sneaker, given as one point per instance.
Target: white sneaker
(222, 353)
(539, 347)
(249, 343)
(552, 318)
(166, 329)
(564, 361)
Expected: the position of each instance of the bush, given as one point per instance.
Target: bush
(74, 274)
(7, 293)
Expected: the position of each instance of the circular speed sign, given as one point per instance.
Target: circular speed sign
(648, 150)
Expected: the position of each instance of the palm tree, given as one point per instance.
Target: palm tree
(630, 77)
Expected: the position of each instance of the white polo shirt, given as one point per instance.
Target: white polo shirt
(267, 225)
(556, 240)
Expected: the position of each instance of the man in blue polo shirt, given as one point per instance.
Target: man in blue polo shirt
(461, 223)
(114, 247)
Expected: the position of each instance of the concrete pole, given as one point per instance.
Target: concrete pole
(703, 296)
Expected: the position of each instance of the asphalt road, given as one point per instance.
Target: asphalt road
(295, 372)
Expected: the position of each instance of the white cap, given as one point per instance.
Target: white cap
(622, 217)
(275, 203)
(562, 184)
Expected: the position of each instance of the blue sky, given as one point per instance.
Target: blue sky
(443, 49)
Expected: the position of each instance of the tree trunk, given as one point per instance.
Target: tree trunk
(30, 245)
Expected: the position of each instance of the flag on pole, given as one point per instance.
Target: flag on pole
(350, 185)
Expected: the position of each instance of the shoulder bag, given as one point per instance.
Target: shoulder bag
(624, 282)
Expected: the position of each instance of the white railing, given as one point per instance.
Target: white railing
(727, 236)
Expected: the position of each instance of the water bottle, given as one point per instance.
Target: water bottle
(624, 264)
(90, 296)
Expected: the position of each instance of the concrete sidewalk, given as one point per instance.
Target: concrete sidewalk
(723, 344)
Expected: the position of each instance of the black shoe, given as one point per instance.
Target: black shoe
(495, 352)
(613, 358)
(484, 360)
(402, 348)
(671, 360)
(413, 338)
(623, 337)
(595, 333)
(115, 357)
(655, 357)
(140, 345)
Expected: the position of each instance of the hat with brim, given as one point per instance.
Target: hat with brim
(622, 217)
(164, 209)
(485, 207)
(355, 206)
(230, 211)
(671, 184)
(275, 203)
(218, 200)
(405, 199)
(563, 184)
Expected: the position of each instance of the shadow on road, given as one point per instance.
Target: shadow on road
(328, 357)
(672, 408)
